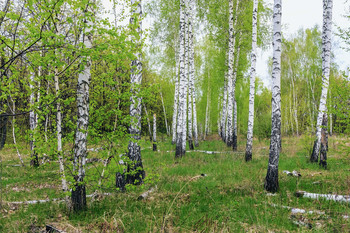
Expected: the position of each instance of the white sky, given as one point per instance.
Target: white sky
(296, 14)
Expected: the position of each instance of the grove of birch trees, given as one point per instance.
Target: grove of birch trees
(72, 77)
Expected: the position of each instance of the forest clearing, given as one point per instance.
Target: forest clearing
(228, 198)
(174, 116)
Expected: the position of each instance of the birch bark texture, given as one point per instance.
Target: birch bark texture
(80, 147)
(181, 121)
(154, 132)
(249, 145)
(165, 117)
(59, 133)
(326, 66)
(324, 141)
(224, 111)
(271, 180)
(230, 89)
(135, 171)
(176, 98)
(190, 76)
(234, 123)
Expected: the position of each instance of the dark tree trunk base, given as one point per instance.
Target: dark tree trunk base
(154, 147)
(271, 180)
(323, 163)
(190, 143)
(314, 155)
(248, 156)
(79, 198)
(135, 175)
(179, 152)
(34, 162)
(120, 181)
(234, 143)
(3, 131)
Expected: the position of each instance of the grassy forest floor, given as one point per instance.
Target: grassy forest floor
(230, 198)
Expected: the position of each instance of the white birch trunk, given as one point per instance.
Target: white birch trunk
(249, 145)
(13, 130)
(135, 107)
(165, 118)
(176, 98)
(185, 119)
(295, 112)
(59, 135)
(154, 132)
(190, 76)
(224, 111)
(181, 121)
(80, 144)
(195, 128)
(234, 132)
(148, 122)
(326, 66)
(230, 90)
(271, 180)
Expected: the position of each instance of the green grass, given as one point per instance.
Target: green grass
(229, 199)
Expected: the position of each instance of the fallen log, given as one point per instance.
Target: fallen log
(329, 197)
(144, 195)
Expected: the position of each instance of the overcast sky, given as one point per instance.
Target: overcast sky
(296, 14)
(304, 14)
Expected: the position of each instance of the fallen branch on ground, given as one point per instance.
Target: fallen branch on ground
(293, 173)
(51, 200)
(145, 194)
(331, 197)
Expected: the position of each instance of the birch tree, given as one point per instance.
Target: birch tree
(234, 123)
(59, 134)
(326, 65)
(176, 100)
(154, 132)
(80, 145)
(181, 121)
(230, 88)
(271, 180)
(165, 117)
(190, 75)
(224, 111)
(249, 145)
(135, 172)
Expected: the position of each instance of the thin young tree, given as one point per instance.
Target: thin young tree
(32, 124)
(154, 132)
(249, 145)
(59, 133)
(271, 180)
(165, 117)
(176, 97)
(135, 171)
(326, 66)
